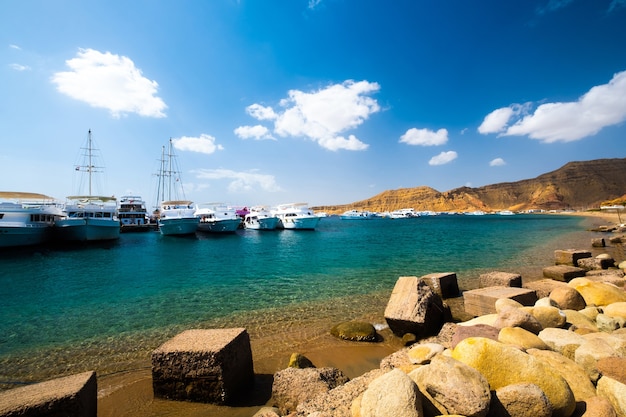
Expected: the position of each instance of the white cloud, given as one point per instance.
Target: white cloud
(443, 158)
(19, 67)
(203, 144)
(496, 121)
(241, 181)
(324, 114)
(257, 132)
(261, 112)
(12, 46)
(109, 81)
(600, 107)
(425, 137)
(498, 162)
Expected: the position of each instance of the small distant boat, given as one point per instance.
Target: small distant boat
(176, 216)
(475, 213)
(88, 217)
(133, 214)
(260, 218)
(295, 216)
(357, 215)
(217, 218)
(405, 213)
(506, 213)
(26, 218)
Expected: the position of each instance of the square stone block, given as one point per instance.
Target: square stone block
(70, 396)
(203, 365)
(444, 284)
(564, 273)
(570, 256)
(500, 279)
(483, 300)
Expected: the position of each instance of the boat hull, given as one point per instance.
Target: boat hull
(86, 229)
(264, 223)
(179, 226)
(299, 223)
(24, 236)
(219, 226)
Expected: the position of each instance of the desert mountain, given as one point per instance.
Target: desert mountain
(576, 185)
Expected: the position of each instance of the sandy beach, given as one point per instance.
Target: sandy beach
(129, 393)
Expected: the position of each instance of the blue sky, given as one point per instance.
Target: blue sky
(318, 101)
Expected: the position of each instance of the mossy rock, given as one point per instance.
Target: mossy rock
(299, 361)
(355, 330)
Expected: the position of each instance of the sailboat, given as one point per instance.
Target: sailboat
(88, 217)
(176, 215)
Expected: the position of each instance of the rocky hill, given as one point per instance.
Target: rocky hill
(576, 185)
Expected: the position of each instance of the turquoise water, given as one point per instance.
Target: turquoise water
(77, 302)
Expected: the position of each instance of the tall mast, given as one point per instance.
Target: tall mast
(89, 159)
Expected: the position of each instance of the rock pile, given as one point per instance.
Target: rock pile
(563, 356)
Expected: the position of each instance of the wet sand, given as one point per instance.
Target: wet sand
(306, 331)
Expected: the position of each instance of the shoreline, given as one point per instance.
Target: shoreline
(129, 393)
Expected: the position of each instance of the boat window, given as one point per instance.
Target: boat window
(1, 215)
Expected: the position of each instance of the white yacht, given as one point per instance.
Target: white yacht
(176, 215)
(260, 218)
(296, 216)
(26, 218)
(133, 214)
(405, 213)
(88, 217)
(357, 215)
(217, 218)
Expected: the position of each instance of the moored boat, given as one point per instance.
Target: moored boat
(295, 216)
(260, 218)
(88, 217)
(405, 213)
(133, 214)
(26, 218)
(176, 216)
(217, 218)
(357, 215)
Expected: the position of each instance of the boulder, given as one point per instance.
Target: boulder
(576, 377)
(563, 273)
(598, 407)
(500, 279)
(444, 284)
(588, 354)
(390, 395)
(598, 293)
(567, 298)
(608, 324)
(549, 316)
(517, 317)
(338, 401)
(203, 365)
(70, 396)
(543, 287)
(504, 303)
(452, 387)
(358, 331)
(297, 360)
(616, 309)
(424, 352)
(293, 386)
(478, 330)
(579, 320)
(516, 336)
(613, 368)
(598, 242)
(504, 365)
(615, 392)
(414, 308)
(570, 256)
(560, 340)
(267, 412)
(520, 400)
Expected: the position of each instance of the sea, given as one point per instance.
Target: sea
(105, 306)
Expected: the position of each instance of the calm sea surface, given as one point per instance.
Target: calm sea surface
(104, 307)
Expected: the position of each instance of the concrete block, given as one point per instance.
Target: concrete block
(203, 365)
(564, 273)
(483, 300)
(444, 284)
(570, 256)
(70, 396)
(500, 279)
